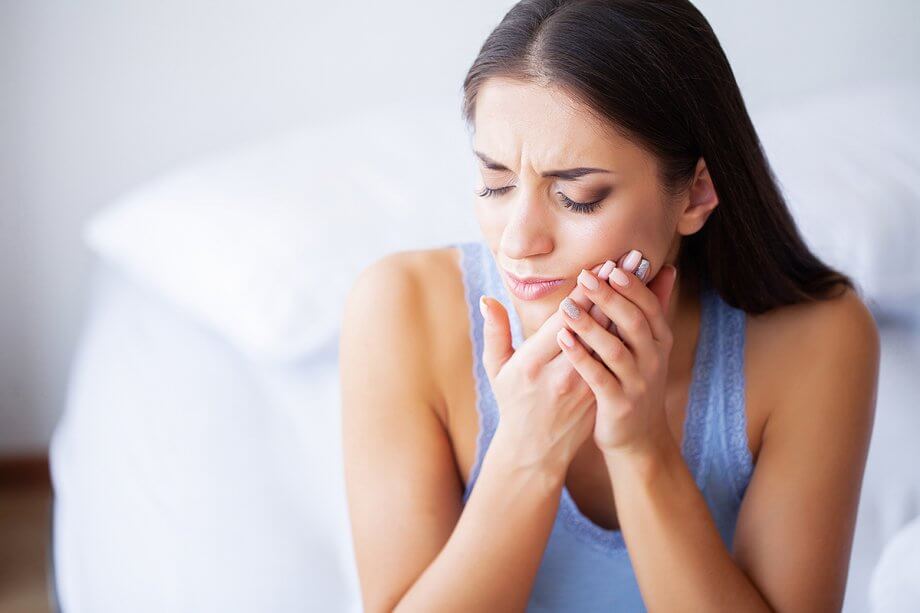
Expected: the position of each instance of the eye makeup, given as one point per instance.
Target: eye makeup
(578, 207)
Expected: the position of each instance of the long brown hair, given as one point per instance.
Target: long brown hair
(655, 70)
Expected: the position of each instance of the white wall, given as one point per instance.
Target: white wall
(96, 96)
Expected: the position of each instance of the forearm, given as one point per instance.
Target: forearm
(491, 559)
(679, 558)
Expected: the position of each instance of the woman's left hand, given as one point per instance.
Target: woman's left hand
(628, 377)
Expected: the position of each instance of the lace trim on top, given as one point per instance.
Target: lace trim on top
(481, 278)
(733, 327)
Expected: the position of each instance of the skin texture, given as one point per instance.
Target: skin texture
(812, 372)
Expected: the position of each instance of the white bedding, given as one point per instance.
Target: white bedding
(189, 479)
(890, 496)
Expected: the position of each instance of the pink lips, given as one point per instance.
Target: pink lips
(531, 291)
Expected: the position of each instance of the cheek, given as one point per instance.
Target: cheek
(605, 231)
(612, 234)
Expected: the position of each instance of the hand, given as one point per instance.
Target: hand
(546, 409)
(628, 377)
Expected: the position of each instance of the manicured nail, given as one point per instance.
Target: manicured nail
(642, 269)
(619, 277)
(587, 279)
(632, 260)
(604, 272)
(566, 337)
(483, 308)
(571, 309)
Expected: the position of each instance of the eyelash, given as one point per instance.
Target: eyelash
(578, 207)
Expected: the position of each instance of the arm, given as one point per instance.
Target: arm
(414, 549)
(795, 526)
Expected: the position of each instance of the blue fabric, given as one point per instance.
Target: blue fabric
(586, 567)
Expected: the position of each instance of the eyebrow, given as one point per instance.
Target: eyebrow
(569, 173)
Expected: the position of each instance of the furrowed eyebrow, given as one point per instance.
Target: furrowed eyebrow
(569, 173)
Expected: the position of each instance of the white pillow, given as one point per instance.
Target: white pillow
(895, 584)
(263, 242)
(849, 165)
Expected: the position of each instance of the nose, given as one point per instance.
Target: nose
(528, 229)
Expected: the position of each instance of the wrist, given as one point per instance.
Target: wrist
(647, 459)
(517, 462)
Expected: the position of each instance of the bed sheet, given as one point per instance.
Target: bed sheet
(188, 478)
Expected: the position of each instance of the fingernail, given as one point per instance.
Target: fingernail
(483, 308)
(632, 260)
(642, 269)
(566, 338)
(604, 272)
(587, 279)
(571, 309)
(619, 277)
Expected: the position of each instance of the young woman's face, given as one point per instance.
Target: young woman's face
(524, 133)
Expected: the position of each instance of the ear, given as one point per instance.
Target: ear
(700, 201)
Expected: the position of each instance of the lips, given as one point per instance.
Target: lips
(531, 288)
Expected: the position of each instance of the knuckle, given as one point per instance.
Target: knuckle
(634, 320)
(561, 385)
(614, 352)
(601, 380)
(531, 372)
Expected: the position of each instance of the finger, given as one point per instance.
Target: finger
(650, 299)
(632, 325)
(603, 274)
(593, 372)
(612, 351)
(633, 262)
(541, 346)
(496, 336)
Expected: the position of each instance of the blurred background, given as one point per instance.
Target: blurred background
(171, 176)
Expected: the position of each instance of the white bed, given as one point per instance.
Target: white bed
(197, 466)
(188, 478)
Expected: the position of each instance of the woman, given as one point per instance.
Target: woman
(701, 446)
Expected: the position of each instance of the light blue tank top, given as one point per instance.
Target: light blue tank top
(586, 567)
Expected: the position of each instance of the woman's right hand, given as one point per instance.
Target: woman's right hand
(546, 409)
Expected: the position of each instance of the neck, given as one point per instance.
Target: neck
(682, 308)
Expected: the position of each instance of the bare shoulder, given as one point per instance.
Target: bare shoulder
(809, 330)
(384, 316)
(418, 294)
(826, 342)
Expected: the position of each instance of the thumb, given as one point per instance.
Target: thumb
(496, 335)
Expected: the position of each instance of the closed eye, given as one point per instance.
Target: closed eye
(579, 207)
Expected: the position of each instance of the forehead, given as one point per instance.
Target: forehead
(552, 129)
